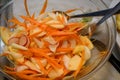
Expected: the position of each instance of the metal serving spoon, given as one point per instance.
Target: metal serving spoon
(106, 13)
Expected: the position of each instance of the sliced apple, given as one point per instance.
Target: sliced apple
(32, 66)
(74, 63)
(4, 34)
(78, 49)
(87, 53)
(55, 73)
(86, 41)
(21, 68)
(66, 60)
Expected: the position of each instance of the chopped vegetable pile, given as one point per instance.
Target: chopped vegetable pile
(46, 47)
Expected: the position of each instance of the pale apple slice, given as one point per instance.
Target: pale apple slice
(4, 34)
(18, 46)
(32, 66)
(74, 63)
(55, 73)
(86, 41)
(21, 68)
(66, 60)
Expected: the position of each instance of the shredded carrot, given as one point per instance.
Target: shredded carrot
(26, 8)
(12, 26)
(4, 54)
(41, 66)
(62, 38)
(44, 7)
(26, 53)
(49, 69)
(16, 21)
(71, 10)
(33, 16)
(30, 19)
(61, 33)
(9, 68)
(61, 19)
(49, 59)
(80, 64)
(28, 72)
(64, 49)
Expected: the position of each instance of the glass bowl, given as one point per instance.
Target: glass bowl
(103, 38)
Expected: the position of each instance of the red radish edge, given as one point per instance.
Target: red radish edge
(23, 40)
(13, 40)
(28, 42)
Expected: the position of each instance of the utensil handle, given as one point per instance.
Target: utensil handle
(109, 13)
(114, 62)
(3, 7)
(97, 13)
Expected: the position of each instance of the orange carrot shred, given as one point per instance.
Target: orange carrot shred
(30, 19)
(9, 68)
(26, 8)
(61, 33)
(16, 21)
(44, 7)
(70, 10)
(41, 66)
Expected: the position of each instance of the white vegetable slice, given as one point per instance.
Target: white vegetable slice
(55, 73)
(15, 55)
(78, 49)
(52, 15)
(21, 68)
(32, 66)
(53, 47)
(35, 30)
(20, 60)
(38, 42)
(41, 16)
(73, 43)
(81, 49)
(44, 62)
(74, 63)
(50, 39)
(66, 61)
(52, 22)
(86, 41)
(65, 44)
(18, 46)
(41, 34)
(87, 53)
(4, 34)
(34, 62)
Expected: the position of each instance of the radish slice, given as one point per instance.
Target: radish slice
(28, 43)
(13, 40)
(23, 40)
